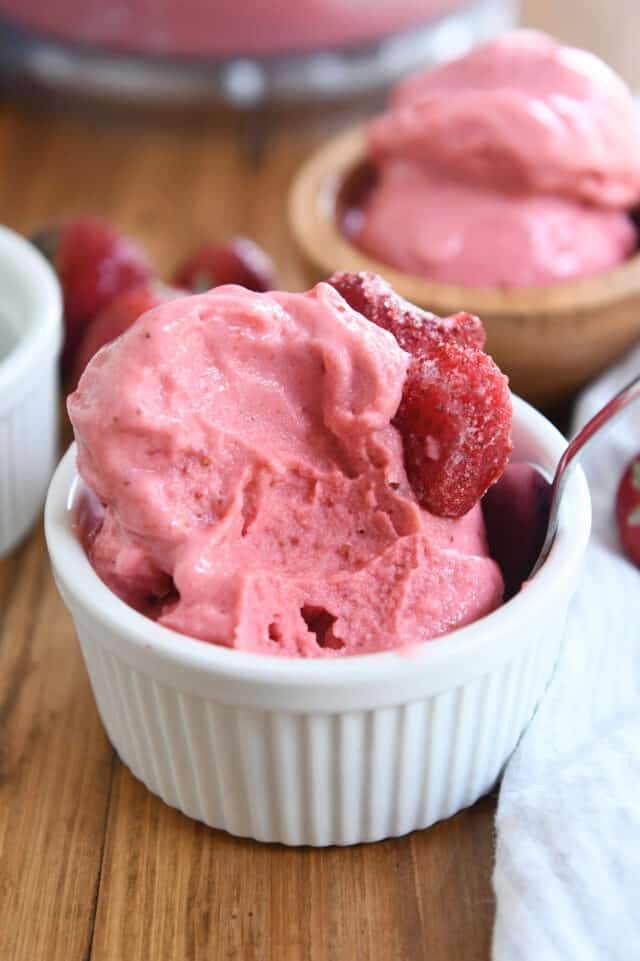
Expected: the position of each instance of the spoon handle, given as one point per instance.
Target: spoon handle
(572, 454)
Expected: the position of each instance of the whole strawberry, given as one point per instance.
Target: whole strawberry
(240, 261)
(628, 510)
(95, 263)
(117, 317)
(523, 496)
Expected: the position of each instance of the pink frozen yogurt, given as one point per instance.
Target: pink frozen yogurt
(252, 487)
(514, 166)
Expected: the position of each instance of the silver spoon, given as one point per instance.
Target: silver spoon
(522, 509)
(570, 458)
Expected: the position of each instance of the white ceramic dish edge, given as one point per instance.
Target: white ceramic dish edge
(331, 752)
(28, 385)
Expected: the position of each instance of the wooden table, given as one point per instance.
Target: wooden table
(92, 866)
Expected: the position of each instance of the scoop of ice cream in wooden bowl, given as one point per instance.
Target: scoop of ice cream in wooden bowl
(503, 184)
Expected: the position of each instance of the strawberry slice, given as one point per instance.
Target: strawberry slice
(416, 330)
(628, 510)
(455, 422)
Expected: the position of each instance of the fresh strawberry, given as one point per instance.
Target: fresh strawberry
(94, 263)
(415, 330)
(240, 261)
(523, 496)
(628, 510)
(455, 422)
(117, 317)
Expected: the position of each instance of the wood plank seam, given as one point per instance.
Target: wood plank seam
(96, 893)
(12, 582)
(16, 682)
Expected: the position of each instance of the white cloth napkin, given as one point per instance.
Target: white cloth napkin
(567, 872)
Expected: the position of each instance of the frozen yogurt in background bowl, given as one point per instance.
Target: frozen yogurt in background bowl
(503, 183)
(324, 745)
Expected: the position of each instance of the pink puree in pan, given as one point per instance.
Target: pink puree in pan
(221, 28)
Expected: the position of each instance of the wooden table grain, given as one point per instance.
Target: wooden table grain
(92, 866)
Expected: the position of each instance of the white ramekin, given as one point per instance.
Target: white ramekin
(323, 752)
(31, 305)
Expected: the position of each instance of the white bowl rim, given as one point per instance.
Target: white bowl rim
(479, 641)
(44, 335)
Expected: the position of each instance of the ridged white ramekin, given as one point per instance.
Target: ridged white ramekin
(332, 751)
(31, 306)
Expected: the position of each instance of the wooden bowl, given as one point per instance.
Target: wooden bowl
(549, 340)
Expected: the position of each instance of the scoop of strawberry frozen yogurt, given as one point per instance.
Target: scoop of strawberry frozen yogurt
(515, 166)
(252, 486)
